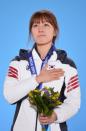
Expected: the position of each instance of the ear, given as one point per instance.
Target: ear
(54, 33)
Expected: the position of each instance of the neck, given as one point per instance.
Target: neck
(43, 50)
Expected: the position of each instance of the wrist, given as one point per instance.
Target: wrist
(38, 79)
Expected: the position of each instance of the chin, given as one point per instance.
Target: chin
(41, 43)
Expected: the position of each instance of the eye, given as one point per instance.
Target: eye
(35, 25)
(46, 24)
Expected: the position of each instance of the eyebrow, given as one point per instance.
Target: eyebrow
(39, 22)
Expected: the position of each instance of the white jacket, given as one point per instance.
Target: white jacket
(19, 82)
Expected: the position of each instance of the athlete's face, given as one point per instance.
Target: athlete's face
(43, 32)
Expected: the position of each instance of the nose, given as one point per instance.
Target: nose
(40, 28)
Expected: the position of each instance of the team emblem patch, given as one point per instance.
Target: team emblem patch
(13, 72)
(73, 83)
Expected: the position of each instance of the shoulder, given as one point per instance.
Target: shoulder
(23, 55)
(63, 57)
(19, 61)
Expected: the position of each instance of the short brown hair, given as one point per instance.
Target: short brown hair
(44, 15)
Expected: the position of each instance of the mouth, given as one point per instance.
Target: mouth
(42, 35)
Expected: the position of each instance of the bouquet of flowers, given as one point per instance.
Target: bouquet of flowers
(45, 100)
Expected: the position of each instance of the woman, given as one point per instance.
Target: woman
(46, 66)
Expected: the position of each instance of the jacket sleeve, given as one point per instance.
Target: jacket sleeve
(14, 88)
(71, 104)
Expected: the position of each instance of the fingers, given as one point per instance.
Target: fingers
(58, 72)
(52, 70)
(52, 74)
(43, 120)
(55, 74)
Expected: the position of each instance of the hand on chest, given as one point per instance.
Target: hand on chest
(56, 84)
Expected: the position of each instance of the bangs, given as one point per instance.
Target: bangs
(40, 18)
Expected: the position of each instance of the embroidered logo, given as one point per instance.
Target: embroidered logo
(27, 67)
(51, 66)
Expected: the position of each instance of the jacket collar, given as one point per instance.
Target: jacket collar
(37, 56)
(59, 54)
